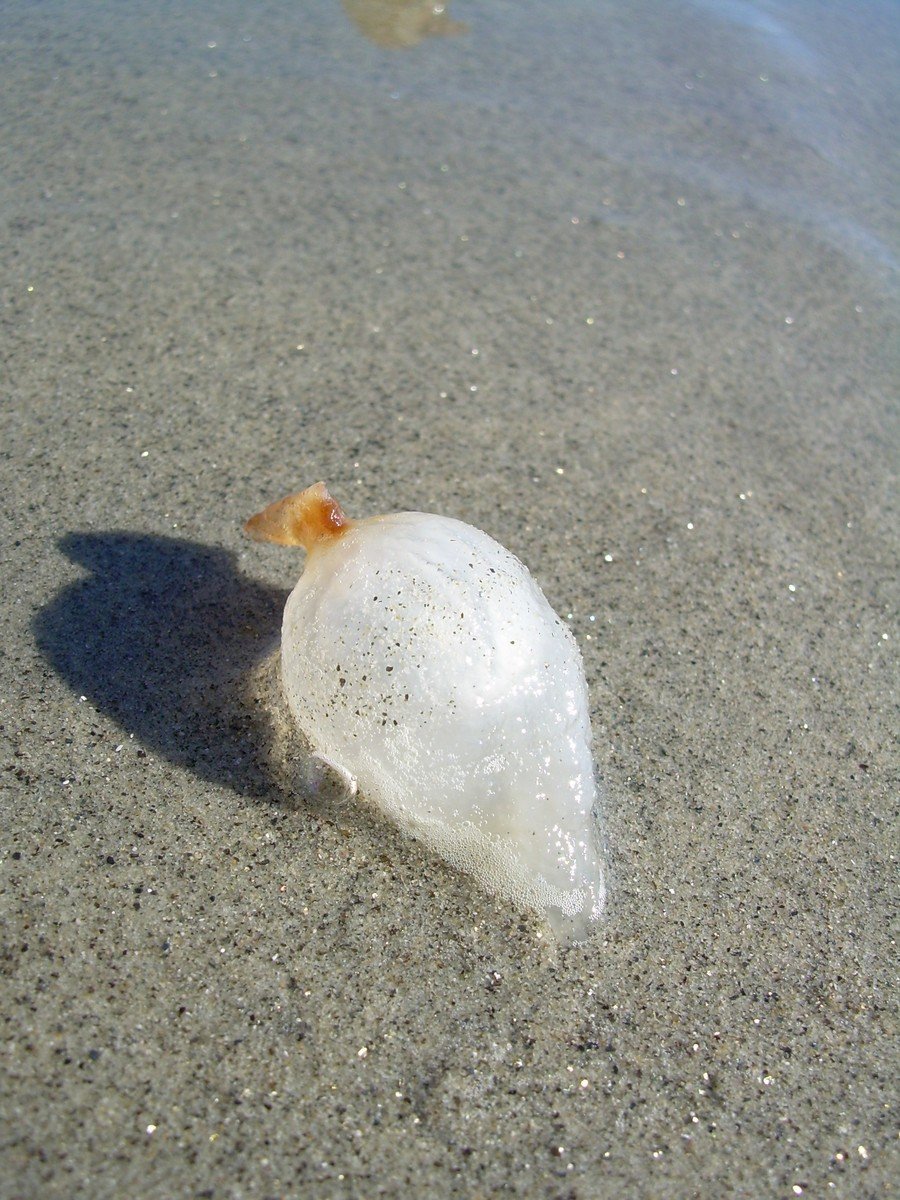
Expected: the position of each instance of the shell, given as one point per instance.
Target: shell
(421, 659)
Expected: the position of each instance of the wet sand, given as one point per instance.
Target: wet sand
(641, 332)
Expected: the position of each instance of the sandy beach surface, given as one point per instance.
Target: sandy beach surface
(616, 283)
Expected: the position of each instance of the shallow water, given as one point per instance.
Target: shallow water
(616, 283)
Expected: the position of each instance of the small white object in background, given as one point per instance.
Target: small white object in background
(420, 659)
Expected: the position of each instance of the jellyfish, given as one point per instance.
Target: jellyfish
(420, 659)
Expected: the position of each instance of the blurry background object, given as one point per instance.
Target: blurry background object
(396, 24)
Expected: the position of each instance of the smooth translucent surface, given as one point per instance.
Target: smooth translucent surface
(420, 657)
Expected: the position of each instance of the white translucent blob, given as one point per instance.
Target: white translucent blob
(420, 658)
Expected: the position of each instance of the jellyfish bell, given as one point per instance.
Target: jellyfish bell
(421, 659)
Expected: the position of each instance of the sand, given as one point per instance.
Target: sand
(616, 284)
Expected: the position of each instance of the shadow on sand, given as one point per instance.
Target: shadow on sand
(162, 636)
